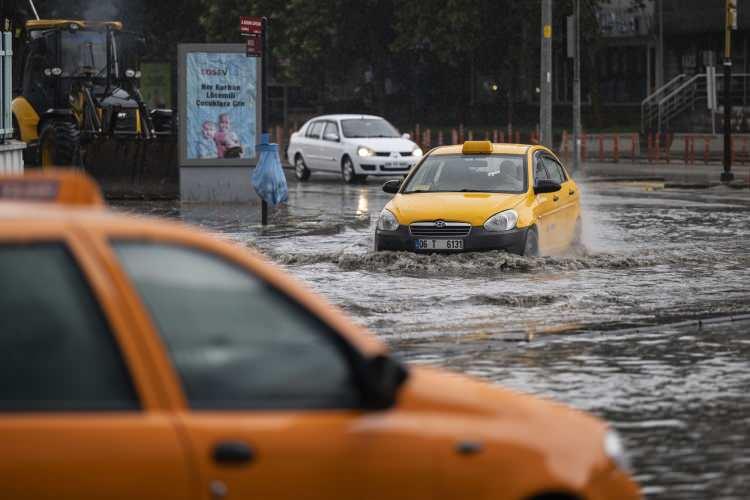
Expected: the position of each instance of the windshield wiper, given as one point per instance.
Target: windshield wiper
(419, 191)
(472, 191)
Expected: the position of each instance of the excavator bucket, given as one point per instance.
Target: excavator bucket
(134, 168)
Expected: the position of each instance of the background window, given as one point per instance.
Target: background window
(56, 350)
(235, 341)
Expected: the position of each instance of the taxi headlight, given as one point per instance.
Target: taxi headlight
(387, 221)
(615, 450)
(365, 151)
(417, 152)
(56, 71)
(129, 73)
(504, 221)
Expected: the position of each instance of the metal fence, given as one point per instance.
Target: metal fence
(6, 86)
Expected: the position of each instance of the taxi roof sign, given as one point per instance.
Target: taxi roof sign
(64, 187)
(476, 147)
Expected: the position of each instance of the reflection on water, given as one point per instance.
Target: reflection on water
(577, 328)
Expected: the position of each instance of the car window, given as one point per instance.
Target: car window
(236, 342)
(497, 173)
(554, 169)
(540, 172)
(314, 129)
(57, 352)
(368, 127)
(331, 130)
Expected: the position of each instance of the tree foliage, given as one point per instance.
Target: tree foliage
(416, 55)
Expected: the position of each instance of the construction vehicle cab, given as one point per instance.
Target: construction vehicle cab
(79, 86)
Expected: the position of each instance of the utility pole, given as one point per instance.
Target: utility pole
(265, 101)
(577, 88)
(660, 52)
(545, 99)
(730, 24)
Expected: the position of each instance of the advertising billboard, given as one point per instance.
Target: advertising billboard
(219, 105)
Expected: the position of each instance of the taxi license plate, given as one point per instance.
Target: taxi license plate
(439, 244)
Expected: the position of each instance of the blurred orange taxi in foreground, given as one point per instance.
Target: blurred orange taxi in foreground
(144, 359)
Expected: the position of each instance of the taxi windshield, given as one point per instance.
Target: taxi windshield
(368, 127)
(495, 173)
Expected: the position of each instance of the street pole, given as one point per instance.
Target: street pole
(577, 89)
(660, 52)
(731, 12)
(264, 105)
(545, 99)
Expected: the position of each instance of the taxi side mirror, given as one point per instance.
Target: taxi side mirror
(392, 186)
(546, 186)
(384, 376)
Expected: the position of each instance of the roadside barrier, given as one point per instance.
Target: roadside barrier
(692, 148)
(598, 147)
(602, 147)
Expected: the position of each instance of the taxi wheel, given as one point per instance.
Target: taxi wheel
(347, 171)
(531, 246)
(300, 169)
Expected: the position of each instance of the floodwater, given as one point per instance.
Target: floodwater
(649, 327)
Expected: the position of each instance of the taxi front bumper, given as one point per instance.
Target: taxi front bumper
(478, 239)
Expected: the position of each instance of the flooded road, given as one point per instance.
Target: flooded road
(649, 327)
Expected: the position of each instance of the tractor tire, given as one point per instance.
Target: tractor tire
(59, 144)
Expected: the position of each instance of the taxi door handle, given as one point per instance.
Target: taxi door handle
(572, 192)
(555, 197)
(233, 453)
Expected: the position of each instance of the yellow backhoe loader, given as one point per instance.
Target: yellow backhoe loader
(79, 101)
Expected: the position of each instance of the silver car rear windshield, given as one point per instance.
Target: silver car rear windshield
(368, 127)
(494, 173)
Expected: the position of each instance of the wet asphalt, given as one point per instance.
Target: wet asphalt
(648, 327)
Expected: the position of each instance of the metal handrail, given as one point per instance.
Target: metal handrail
(675, 98)
(647, 113)
(676, 92)
(663, 88)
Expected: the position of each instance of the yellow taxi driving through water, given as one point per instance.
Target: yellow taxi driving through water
(483, 196)
(140, 358)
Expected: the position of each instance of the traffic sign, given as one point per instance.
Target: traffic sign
(251, 25)
(254, 45)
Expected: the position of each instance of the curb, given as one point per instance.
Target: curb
(649, 178)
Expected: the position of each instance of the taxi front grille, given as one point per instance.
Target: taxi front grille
(440, 229)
